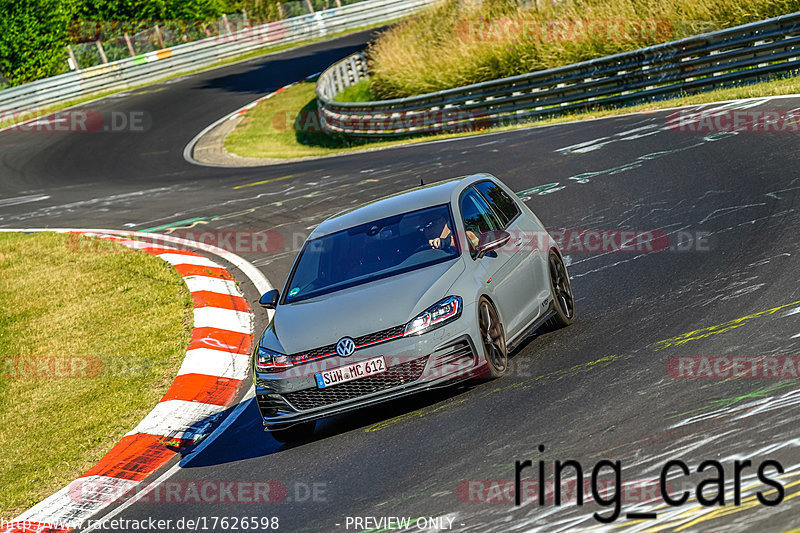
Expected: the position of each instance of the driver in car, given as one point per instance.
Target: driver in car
(437, 233)
(440, 236)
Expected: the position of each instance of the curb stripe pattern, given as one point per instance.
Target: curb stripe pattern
(214, 369)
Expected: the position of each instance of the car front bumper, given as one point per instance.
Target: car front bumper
(438, 358)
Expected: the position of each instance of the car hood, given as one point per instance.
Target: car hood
(359, 310)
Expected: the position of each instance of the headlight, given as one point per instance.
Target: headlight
(437, 315)
(270, 361)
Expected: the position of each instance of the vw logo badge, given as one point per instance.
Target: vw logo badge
(345, 347)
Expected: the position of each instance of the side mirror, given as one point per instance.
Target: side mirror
(492, 240)
(269, 299)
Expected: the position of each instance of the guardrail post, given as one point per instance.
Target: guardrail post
(227, 24)
(130, 45)
(158, 36)
(102, 52)
(354, 70)
(73, 62)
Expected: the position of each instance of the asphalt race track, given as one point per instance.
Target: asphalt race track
(727, 285)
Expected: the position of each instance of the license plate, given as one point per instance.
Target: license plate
(370, 367)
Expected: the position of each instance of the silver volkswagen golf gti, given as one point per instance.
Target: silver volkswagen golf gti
(414, 291)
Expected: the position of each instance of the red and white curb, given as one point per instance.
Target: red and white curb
(214, 369)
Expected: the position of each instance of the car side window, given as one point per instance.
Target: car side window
(499, 200)
(478, 218)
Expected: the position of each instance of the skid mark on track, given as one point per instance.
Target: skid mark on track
(730, 401)
(727, 210)
(718, 328)
(586, 177)
(264, 182)
(543, 379)
(652, 127)
(6, 202)
(582, 368)
(588, 146)
(99, 203)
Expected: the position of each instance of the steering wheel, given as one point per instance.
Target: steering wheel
(422, 247)
(425, 246)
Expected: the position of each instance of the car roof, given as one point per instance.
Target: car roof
(420, 197)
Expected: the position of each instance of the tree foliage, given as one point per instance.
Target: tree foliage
(33, 34)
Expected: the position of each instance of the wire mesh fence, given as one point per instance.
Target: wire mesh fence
(98, 42)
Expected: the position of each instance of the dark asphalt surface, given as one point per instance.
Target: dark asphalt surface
(597, 390)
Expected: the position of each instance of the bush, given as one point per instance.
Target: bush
(33, 34)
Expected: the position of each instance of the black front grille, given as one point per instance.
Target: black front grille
(458, 353)
(360, 341)
(269, 405)
(393, 377)
(378, 335)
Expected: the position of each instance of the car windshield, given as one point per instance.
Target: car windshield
(372, 251)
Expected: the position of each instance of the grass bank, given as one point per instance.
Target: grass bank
(285, 126)
(453, 45)
(90, 339)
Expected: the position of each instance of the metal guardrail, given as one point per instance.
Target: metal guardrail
(157, 65)
(745, 53)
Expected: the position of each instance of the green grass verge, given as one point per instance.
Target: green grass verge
(121, 318)
(285, 126)
(359, 92)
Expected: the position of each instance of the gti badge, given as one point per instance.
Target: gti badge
(345, 347)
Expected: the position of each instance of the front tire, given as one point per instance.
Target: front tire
(297, 432)
(493, 339)
(561, 292)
